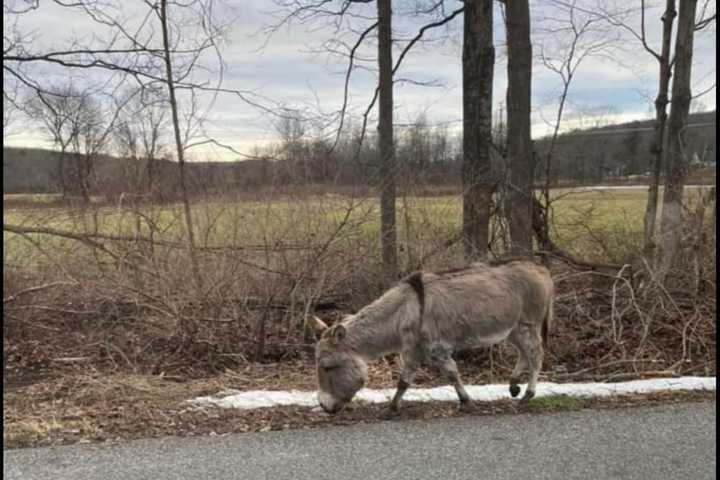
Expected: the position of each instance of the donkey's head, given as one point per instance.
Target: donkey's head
(341, 372)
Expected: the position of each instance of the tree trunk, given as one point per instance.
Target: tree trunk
(190, 236)
(677, 162)
(519, 156)
(150, 172)
(656, 148)
(81, 172)
(478, 63)
(388, 169)
(61, 172)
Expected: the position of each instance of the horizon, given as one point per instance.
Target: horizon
(456, 135)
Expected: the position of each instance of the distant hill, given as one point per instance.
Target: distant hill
(34, 170)
(694, 119)
(621, 152)
(593, 155)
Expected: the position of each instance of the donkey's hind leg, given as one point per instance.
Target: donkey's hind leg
(441, 358)
(530, 343)
(521, 366)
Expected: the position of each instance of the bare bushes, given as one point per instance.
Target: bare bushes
(633, 320)
(264, 264)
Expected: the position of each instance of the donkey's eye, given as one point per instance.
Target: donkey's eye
(331, 367)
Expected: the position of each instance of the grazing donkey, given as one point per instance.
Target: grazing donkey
(427, 316)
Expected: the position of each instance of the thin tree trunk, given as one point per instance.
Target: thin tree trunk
(82, 181)
(388, 169)
(61, 172)
(677, 161)
(541, 211)
(656, 148)
(519, 155)
(190, 237)
(478, 64)
(150, 172)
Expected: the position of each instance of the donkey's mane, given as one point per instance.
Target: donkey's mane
(415, 280)
(373, 329)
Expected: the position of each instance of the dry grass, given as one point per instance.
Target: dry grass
(81, 409)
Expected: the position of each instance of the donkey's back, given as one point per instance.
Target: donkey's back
(483, 304)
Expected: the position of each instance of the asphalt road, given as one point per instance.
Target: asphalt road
(666, 442)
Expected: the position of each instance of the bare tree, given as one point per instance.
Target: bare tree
(677, 161)
(10, 110)
(661, 102)
(292, 130)
(388, 169)
(521, 161)
(54, 112)
(140, 136)
(126, 49)
(179, 145)
(80, 125)
(478, 68)
(666, 62)
(568, 36)
(88, 140)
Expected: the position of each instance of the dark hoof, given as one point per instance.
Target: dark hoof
(529, 394)
(514, 390)
(467, 407)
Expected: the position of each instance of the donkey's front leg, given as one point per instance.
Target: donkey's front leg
(410, 364)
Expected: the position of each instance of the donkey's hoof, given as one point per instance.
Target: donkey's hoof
(389, 413)
(514, 390)
(529, 394)
(467, 407)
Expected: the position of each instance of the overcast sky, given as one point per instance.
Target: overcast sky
(615, 84)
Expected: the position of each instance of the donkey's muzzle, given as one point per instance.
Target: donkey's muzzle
(332, 408)
(329, 403)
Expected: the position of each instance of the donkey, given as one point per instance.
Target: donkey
(428, 316)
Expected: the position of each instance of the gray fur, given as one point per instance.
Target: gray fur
(477, 306)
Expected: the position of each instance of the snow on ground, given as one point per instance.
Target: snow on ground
(624, 187)
(263, 398)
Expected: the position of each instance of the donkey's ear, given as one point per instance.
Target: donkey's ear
(317, 325)
(339, 332)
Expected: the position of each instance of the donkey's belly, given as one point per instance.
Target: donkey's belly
(471, 338)
(468, 331)
(484, 340)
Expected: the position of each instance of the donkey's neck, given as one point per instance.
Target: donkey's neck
(375, 330)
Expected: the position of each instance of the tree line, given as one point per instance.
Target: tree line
(137, 161)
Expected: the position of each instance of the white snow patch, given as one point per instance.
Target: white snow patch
(264, 398)
(624, 187)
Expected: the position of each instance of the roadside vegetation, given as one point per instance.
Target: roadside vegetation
(103, 330)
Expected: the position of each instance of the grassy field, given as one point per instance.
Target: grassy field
(599, 224)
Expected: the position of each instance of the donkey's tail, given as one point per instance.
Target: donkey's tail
(548, 320)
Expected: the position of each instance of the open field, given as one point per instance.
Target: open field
(581, 218)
